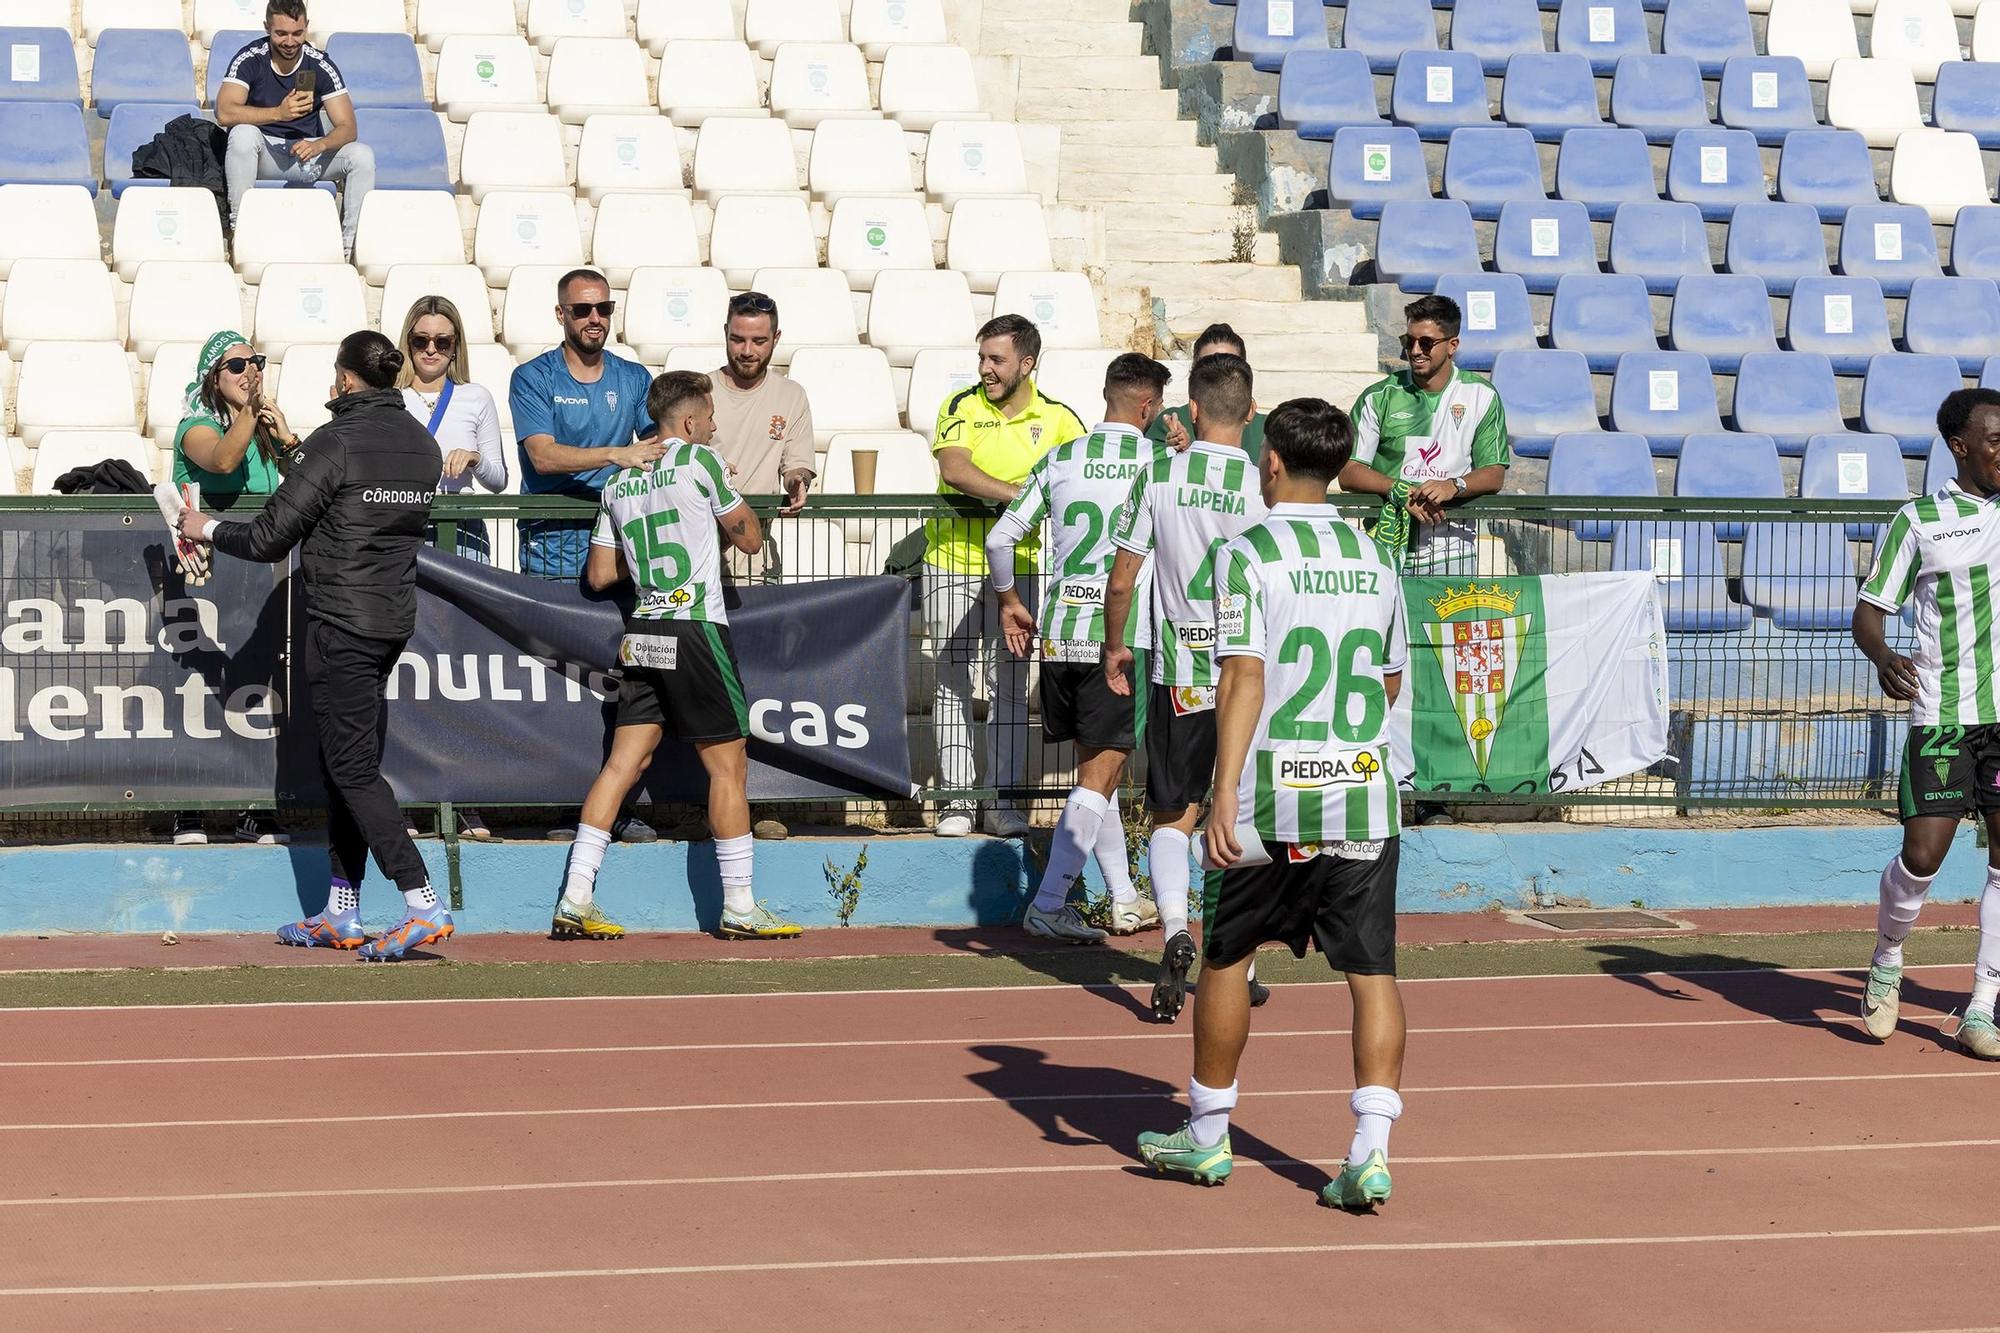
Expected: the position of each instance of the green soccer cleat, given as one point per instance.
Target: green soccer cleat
(1359, 1186)
(583, 921)
(1177, 1154)
(1977, 1036)
(1882, 1001)
(758, 924)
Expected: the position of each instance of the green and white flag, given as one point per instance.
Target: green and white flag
(1530, 685)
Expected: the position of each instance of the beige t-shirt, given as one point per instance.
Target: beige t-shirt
(763, 432)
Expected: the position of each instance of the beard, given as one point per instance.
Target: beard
(589, 340)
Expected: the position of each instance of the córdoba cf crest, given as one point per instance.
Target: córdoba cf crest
(1479, 660)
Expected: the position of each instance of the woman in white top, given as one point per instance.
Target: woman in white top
(461, 415)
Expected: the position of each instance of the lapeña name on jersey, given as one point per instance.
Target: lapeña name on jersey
(1314, 772)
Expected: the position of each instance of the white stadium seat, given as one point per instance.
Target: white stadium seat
(1919, 34)
(528, 318)
(167, 222)
(526, 227)
(739, 154)
(51, 222)
(549, 21)
(877, 25)
(73, 385)
(851, 388)
(1986, 31)
(936, 375)
(753, 231)
(903, 462)
(815, 81)
(98, 15)
(643, 231)
(60, 300)
(487, 73)
(1818, 32)
(1074, 376)
(922, 85)
(769, 24)
(166, 388)
(512, 150)
(404, 227)
(492, 366)
(858, 157)
(815, 309)
(305, 385)
(43, 13)
(308, 303)
(989, 237)
(461, 284)
(622, 154)
(974, 157)
(589, 75)
(662, 21)
(1938, 171)
(1062, 305)
(182, 301)
(63, 450)
(1876, 97)
(703, 359)
(286, 226)
(912, 310)
(354, 16)
(675, 307)
(438, 20)
(214, 16)
(871, 233)
(699, 79)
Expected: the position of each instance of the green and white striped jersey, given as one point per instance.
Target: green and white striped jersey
(1944, 548)
(663, 515)
(1320, 602)
(1181, 512)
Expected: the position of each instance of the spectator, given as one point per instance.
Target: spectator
(988, 437)
(763, 420)
(230, 443)
(1175, 425)
(270, 102)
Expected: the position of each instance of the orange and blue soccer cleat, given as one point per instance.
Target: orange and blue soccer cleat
(429, 925)
(327, 930)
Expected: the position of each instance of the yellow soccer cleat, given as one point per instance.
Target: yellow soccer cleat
(583, 921)
(758, 924)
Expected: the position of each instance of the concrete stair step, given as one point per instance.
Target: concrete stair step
(1196, 246)
(1082, 104)
(1131, 134)
(1135, 159)
(1178, 280)
(1188, 316)
(1281, 353)
(1144, 189)
(1339, 387)
(1058, 38)
(1121, 71)
(1084, 11)
(1165, 213)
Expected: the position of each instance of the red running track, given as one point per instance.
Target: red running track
(1632, 1152)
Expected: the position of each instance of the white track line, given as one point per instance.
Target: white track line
(960, 1260)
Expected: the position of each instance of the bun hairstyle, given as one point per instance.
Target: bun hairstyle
(370, 358)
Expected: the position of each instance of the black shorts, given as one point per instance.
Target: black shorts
(1950, 771)
(1180, 752)
(1344, 906)
(1078, 706)
(691, 686)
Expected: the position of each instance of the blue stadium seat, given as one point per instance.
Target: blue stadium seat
(1661, 242)
(1664, 396)
(140, 65)
(1727, 465)
(1603, 316)
(1828, 169)
(1370, 166)
(1968, 99)
(1493, 30)
(1602, 31)
(1604, 168)
(1780, 243)
(1852, 466)
(1384, 29)
(220, 52)
(1939, 466)
(1542, 242)
(1301, 27)
(1801, 575)
(1975, 242)
(1712, 32)
(381, 69)
(1549, 94)
(1789, 396)
(1716, 170)
(1843, 319)
(1954, 317)
(1693, 581)
(1724, 316)
(1767, 95)
(133, 125)
(53, 64)
(1495, 316)
(1421, 239)
(44, 143)
(1659, 96)
(409, 148)
(1438, 91)
(1489, 166)
(1891, 243)
(1319, 92)
(1547, 394)
(1600, 463)
(1901, 393)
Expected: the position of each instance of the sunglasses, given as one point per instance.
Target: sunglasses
(443, 342)
(236, 365)
(1423, 345)
(582, 309)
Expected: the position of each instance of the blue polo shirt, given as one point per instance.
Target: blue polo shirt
(265, 87)
(547, 400)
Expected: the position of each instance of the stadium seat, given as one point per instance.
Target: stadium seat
(1661, 243)
(858, 157)
(461, 284)
(1419, 239)
(1875, 98)
(1265, 30)
(365, 17)
(1716, 170)
(1383, 30)
(1818, 32)
(487, 73)
(1975, 242)
(1712, 32)
(1723, 316)
(1371, 165)
(65, 450)
(1986, 33)
(140, 65)
(1920, 35)
(973, 157)
(308, 303)
(667, 308)
(903, 462)
(1954, 317)
(922, 85)
(1062, 305)
(492, 367)
(512, 150)
(913, 309)
(1828, 169)
(1603, 316)
(408, 146)
(1843, 319)
(1489, 166)
(527, 314)
(1691, 576)
(1547, 394)
(636, 231)
(43, 143)
(99, 15)
(1320, 92)
(1901, 393)
(628, 154)
(214, 16)
(1891, 243)
(768, 24)
(590, 76)
(292, 226)
(438, 20)
(1968, 100)
(1851, 466)
(1789, 396)
(1664, 396)
(1437, 92)
(1596, 463)
(938, 373)
(1939, 172)
(406, 227)
(1767, 95)
(1549, 94)
(1602, 31)
(44, 13)
(381, 70)
(41, 66)
(1659, 96)
(812, 81)
(303, 377)
(1075, 377)
(1726, 465)
(1494, 30)
(814, 307)
(1542, 242)
(1801, 575)
(222, 51)
(550, 21)
(166, 223)
(182, 301)
(851, 388)
(877, 25)
(753, 231)
(1002, 234)
(1939, 466)
(1603, 168)
(744, 154)
(172, 372)
(134, 125)
(1780, 243)
(1495, 315)
(525, 227)
(868, 234)
(73, 385)
(48, 222)
(661, 22)
(699, 79)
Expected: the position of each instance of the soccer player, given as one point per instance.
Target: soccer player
(1943, 549)
(1079, 486)
(657, 525)
(1180, 512)
(1308, 611)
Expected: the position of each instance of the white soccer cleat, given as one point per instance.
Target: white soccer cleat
(1065, 924)
(1882, 1001)
(1135, 916)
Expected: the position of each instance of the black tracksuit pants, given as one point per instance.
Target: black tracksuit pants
(348, 674)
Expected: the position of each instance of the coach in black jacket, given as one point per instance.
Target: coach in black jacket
(356, 497)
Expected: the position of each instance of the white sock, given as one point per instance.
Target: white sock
(733, 855)
(1902, 898)
(342, 898)
(1375, 1109)
(1986, 971)
(1075, 833)
(1113, 861)
(1167, 854)
(1208, 1113)
(421, 898)
(586, 856)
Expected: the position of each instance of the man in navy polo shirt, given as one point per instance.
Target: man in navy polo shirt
(274, 124)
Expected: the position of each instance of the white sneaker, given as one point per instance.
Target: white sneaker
(1065, 924)
(955, 820)
(1006, 821)
(1135, 916)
